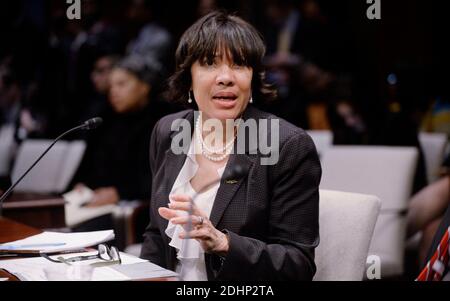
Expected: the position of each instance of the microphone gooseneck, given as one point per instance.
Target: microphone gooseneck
(87, 125)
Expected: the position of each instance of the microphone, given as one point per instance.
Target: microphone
(236, 172)
(92, 123)
(87, 125)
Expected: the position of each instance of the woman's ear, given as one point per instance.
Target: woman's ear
(145, 89)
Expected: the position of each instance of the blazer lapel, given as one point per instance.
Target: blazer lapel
(229, 186)
(173, 162)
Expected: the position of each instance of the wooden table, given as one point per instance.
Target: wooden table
(39, 211)
(11, 230)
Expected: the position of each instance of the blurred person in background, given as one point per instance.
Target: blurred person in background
(297, 35)
(429, 212)
(147, 37)
(395, 124)
(10, 105)
(98, 104)
(114, 165)
(204, 7)
(10, 96)
(18, 107)
(437, 118)
(426, 212)
(347, 123)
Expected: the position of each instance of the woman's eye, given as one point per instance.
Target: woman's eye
(212, 63)
(208, 63)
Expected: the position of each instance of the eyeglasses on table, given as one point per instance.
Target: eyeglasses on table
(108, 255)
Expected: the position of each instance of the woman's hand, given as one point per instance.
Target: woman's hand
(104, 196)
(211, 239)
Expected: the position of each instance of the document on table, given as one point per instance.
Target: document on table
(75, 211)
(52, 242)
(132, 268)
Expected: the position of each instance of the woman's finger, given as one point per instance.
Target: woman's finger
(182, 220)
(167, 213)
(180, 206)
(196, 234)
(187, 207)
(180, 198)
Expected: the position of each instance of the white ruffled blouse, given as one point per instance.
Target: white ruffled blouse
(190, 254)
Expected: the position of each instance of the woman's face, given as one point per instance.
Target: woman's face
(222, 90)
(127, 93)
(100, 76)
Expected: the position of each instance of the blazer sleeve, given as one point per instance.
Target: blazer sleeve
(153, 245)
(288, 251)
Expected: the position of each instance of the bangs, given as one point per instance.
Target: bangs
(218, 37)
(228, 41)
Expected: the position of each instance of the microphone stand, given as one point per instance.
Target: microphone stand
(90, 124)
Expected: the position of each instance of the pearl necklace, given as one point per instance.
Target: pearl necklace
(206, 151)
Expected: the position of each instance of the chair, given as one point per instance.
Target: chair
(323, 140)
(433, 147)
(6, 148)
(347, 221)
(54, 172)
(388, 173)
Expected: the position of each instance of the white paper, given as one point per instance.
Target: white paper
(32, 269)
(75, 214)
(71, 241)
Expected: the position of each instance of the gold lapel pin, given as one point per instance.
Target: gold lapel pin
(231, 181)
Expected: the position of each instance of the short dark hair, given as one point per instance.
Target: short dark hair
(146, 69)
(203, 41)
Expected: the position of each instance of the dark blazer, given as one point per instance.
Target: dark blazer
(270, 214)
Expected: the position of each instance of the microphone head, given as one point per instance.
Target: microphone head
(236, 172)
(92, 123)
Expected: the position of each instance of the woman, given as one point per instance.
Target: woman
(260, 223)
(113, 163)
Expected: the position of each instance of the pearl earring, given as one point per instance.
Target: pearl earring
(189, 99)
(251, 99)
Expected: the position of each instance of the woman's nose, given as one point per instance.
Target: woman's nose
(225, 76)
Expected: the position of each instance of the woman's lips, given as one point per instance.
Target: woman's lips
(225, 103)
(225, 100)
(225, 96)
